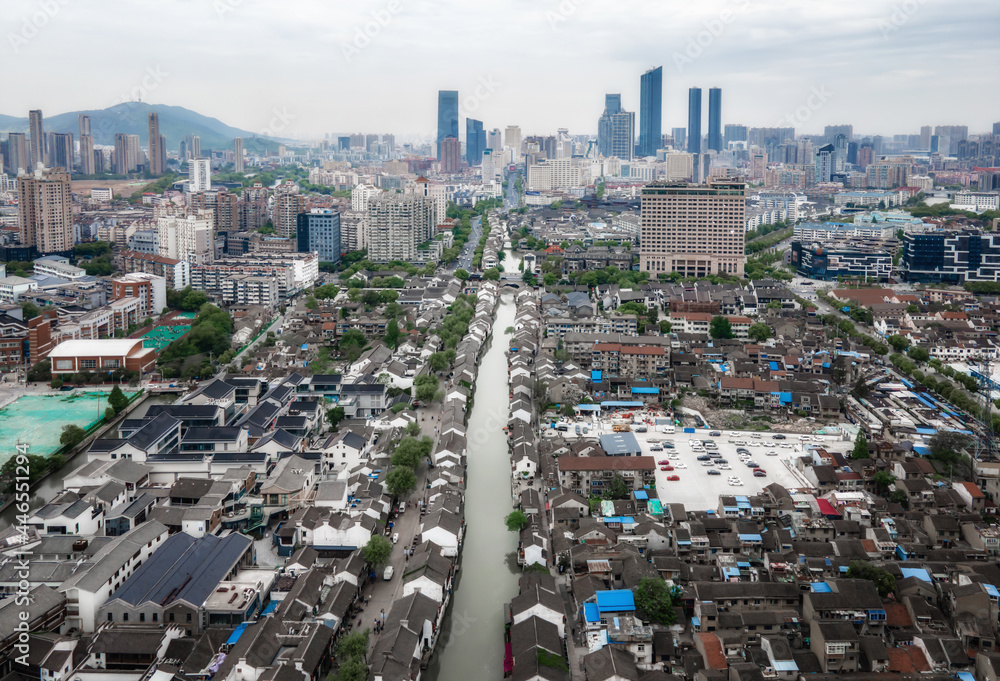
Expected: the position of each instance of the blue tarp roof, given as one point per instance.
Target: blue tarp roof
(615, 601)
(926, 431)
(590, 612)
(623, 519)
(588, 407)
(774, 366)
(742, 563)
(991, 590)
(922, 450)
(750, 537)
(595, 376)
(640, 495)
(621, 404)
(271, 607)
(730, 572)
(235, 636)
(919, 573)
(820, 588)
(645, 391)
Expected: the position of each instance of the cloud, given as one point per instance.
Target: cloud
(892, 64)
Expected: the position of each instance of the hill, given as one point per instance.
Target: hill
(131, 118)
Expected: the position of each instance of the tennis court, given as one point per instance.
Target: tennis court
(162, 336)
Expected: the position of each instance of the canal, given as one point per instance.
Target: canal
(471, 645)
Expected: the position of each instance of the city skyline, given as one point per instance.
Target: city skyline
(856, 51)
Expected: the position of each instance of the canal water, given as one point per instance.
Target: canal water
(471, 645)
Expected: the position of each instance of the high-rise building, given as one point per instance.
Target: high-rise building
(616, 130)
(475, 141)
(996, 128)
(36, 128)
(694, 121)
(825, 163)
(45, 210)
(238, 150)
(127, 153)
(194, 146)
(680, 138)
(494, 140)
(61, 151)
(830, 132)
(451, 155)
(157, 154)
(697, 230)
(87, 165)
(397, 224)
(18, 153)
(83, 120)
(199, 175)
(186, 236)
(650, 111)
(318, 231)
(512, 139)
(925, 136)
(733, 132)
(288, 204)
(361, 194)
(447, 117)
(715, 119)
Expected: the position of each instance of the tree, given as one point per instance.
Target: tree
(72, 436)
(899, 497)
(919, 354)
(568, 410)
(377, 550)
(860, 450)
(311, 303)
(413, 429)
(655, 601)
(117, 400)
(326, 291)
(411, 451)
(721, 328)
(335, 416)
(462, 274)
(352, 669)
(899, 343)
(109, 413)
(392, 334)
(37, 466)
(426, 392)
(492, 274)
(56, 383)
(354, 645)
(29, 310)
(760, 332)
(665, 327)
(617, 489)
(401, 482)
(438, 361)
(882, 480)
(946, 446)
(883, 580)
(516, 521)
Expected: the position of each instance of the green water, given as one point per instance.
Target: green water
(39, 419)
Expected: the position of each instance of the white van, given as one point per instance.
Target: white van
(667, 429)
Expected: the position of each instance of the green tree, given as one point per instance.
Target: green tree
(377, 550)
(665, 327)
(617, 489)
(354, 645)
(392, 334)
(56, 383)
(919, 354)
(720, 328)
(492, 274)
(411, 451)
(29, 310)
(335, 416)
(109, 413)
(311, 303)
(438, 361)
(37, 466)
(568, 410)
(352, 669)
(655, 601)
(516, 521)
(760, 332)
(899, 497)
(72, 435)
(947, 446)
(898, 343)
(860, 450)
(326, 291)
(883, 579)
(401, 482)
(117, 400)
(462, 274)
(882, 480)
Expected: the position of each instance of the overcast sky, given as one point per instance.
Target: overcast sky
(299, 68)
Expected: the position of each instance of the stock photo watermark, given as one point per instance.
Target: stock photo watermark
(712, 30)
(901, 14)
(32, 24)
(562, 12)
(817, 99)
(366, 33)
(485, 88)
(278, 123)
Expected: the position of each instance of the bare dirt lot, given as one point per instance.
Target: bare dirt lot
(121, 188)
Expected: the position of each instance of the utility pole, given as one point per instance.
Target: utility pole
(986, 448)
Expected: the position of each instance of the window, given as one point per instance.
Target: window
(88, 363)
(111, 617)
(142, 617)
(189, 617)
(124, 617)
(112, 363)
(171, 618)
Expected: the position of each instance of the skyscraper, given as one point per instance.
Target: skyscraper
(734, 132)
(397, 224)
(694, 121)
(715, 119)
(61, 151)
(512, 139)
(45, 211)
(157, 155)
(127, 153)
(18, 153)
(451, 155)
(447, 116)
(825, 163)
(494, 140)
(925, 135)
(238, 150)
(288, 204)
(695, 230)
(84, 122)
(319, 232)
(199, 175)
(650, 111)
(475, 141)
(87, 165)
(37, 131)
(680, 138)
(616, 129)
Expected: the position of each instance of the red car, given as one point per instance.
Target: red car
(673, 478)
(666, 468)
(664, 462)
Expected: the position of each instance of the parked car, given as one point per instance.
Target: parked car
(395, 537)
(656, 448)
(663, 462)
(715, 433)
(772, 453)
(387, 575)
(777, 436)
(666, 468)
(752, 464)
(680, 464)
(704, 457)
(673, 478)
(714, 472)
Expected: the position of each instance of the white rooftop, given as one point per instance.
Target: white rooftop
(96, 348)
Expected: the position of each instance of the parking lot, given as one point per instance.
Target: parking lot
(696, 488)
